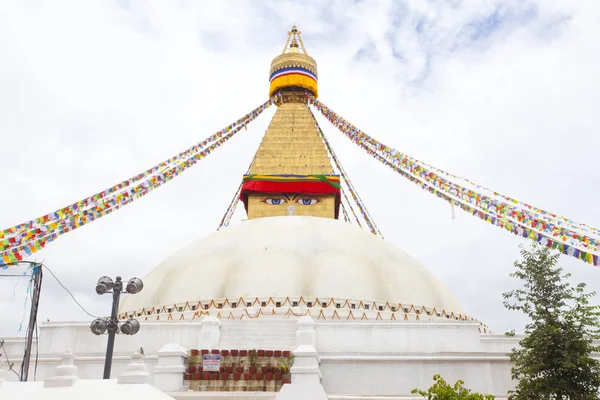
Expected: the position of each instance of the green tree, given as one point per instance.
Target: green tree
(441, 390)
(554, 358)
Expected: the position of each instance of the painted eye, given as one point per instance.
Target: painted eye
(274, 201)
(307, 201)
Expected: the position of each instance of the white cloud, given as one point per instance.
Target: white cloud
(94, 92)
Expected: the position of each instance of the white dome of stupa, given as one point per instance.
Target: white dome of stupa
(291, 257)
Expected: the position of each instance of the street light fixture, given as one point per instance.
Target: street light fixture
(100, 326)
(131, 327)
(104, 285)
(135, 285)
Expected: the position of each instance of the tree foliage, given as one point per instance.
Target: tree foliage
(441, 390)
(554, 359)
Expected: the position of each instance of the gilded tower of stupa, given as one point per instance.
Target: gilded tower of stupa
(291, 173)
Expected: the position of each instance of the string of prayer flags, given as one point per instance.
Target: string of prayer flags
(357, 200)
(21, 241)
(534, 219)
(538, 225)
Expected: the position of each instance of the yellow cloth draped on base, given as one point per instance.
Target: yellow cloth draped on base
(300, 80)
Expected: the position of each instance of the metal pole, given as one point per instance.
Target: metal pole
(112, 327)
(35, 300)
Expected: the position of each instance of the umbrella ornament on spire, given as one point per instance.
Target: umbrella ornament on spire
(293, 67)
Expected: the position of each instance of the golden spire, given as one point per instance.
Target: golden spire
(291, 173)
(294, 46)
(294, 37)
(293, 69)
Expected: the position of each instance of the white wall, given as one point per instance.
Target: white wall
(392, 358)
(357, 357)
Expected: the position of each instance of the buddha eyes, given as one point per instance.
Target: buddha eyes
(276, 201)
(307, 201)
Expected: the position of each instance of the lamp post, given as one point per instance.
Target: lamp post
(100, 325)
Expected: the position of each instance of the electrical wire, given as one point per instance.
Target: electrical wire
(35, 323)
(37, 350)
(10, 365)
(68, 291)
(37, 281)
(34, 264)
(35, 331)
(27, 331)
(29, 286)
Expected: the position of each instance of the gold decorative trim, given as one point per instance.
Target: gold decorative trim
(270, 306)
(294, 60)
(291, 97)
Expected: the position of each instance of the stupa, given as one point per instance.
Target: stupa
(293, 288)
(292, 256)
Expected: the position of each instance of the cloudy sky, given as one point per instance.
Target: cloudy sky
(505, 93)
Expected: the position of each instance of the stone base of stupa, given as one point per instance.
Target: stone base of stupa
(349, 359)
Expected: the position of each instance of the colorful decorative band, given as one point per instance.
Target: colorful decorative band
(293, 80)
(292, 71)
(306, 184)
(333, 180)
